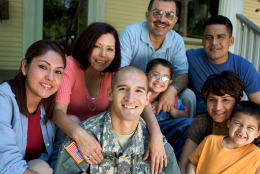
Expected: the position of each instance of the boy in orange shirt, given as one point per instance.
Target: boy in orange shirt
(234, 153)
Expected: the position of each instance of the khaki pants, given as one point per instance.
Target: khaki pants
(39, 166)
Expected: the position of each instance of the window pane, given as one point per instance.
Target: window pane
(58, 15)
(193, 14)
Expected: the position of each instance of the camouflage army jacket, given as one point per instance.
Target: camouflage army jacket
(115, 161)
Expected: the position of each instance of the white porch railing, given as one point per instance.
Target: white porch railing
(247, 41)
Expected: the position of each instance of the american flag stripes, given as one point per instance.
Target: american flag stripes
(73, 150)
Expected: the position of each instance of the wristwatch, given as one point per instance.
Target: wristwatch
(176, 87)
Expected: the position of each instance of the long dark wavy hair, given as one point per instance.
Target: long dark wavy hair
(18, 83)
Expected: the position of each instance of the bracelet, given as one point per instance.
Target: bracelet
(176, 87)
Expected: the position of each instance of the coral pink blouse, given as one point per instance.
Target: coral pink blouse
(73, 93)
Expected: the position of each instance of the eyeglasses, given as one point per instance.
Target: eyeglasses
(157, 77)
(168, 15)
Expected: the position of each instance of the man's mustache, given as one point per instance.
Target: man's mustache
(160, 22)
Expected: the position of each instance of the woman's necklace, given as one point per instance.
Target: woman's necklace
(216, 128)
(98, 90)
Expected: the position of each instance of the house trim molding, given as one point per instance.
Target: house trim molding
(192, 41)
(32, 22)
(96, 11)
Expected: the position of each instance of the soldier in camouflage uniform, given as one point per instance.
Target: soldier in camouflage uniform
(129, 94)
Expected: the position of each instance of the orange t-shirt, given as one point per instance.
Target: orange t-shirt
(211, 157)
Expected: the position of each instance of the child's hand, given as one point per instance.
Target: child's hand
(167, 100)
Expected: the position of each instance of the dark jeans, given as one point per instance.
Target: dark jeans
(175, 131)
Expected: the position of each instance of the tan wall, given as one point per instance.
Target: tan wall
(122, 13)
(11, 37)
(249, 11)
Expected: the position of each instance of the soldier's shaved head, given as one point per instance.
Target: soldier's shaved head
(127, 69)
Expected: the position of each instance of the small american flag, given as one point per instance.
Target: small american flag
(73, 150)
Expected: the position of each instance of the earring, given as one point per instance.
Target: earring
(23, 73)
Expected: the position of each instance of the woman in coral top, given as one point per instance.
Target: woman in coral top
(27, 132)
(95, 56)
(84, 86)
